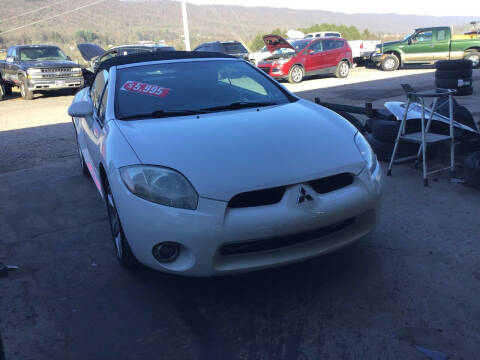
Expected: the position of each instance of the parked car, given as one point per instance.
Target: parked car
(295, 60)
(323, 34)
(362, 50)
(427, 45)
(233, 48)
(231, 175)
(95, 54)
(38, 68)
(259, 55)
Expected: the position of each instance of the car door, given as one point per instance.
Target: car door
(441, 44)
(314, 57)
(330, 53)
(10, 65)
(420, 47)
(94, 124)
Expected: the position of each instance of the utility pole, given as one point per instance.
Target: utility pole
(185, 25)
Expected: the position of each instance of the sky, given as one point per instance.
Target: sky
(416, 7)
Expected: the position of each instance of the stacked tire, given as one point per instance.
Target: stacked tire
(472, 169)
(383, 135)
(455, 74)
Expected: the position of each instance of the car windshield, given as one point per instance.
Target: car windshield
(191, 86)
(299, 45)
(234, 48)
(39, 53)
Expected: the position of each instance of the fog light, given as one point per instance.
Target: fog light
(166, 252)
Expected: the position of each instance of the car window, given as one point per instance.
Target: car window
(441, 35)
(316, 47)
(39, 53)
(191, 85)
(332, 34)
(299, 45)
(423, 36)
(339, 44)
(328, 44)
(234, 48)
(103, 105)
(97, 88)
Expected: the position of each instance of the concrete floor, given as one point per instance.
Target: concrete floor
(415, 281)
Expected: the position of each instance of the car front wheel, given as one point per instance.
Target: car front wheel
(390, 63)
(24, 91)
(122, 248)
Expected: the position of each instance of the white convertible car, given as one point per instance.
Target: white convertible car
(208, 166)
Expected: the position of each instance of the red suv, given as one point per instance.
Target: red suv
(294, 60)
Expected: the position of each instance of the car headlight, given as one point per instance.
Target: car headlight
(366, 151)
(77, 69)
(160, 185)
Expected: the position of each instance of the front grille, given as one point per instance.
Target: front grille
(265, 69)
(331, 183)
(283, 241)
(257, 198)
(56, 70)
(56, 76)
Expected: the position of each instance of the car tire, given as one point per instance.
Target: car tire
(451, 83)
(390, 63)
(2, 90)
(472, 169)
(24, 91)
(454, 74)
(352, 120)
(296, 74)
(8, 89)
(123, 251)
(343, 69)
(464, 91)
(453, 64)
(83, 164)
(387, 130)
(384, 149)
(473, 57)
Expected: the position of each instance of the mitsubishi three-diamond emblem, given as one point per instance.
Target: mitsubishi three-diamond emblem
(304, 196)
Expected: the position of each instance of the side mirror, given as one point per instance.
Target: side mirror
(81, 109)
(69, 58)
(10, 59)
(311, 52)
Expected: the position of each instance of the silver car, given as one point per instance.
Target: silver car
(208, 166)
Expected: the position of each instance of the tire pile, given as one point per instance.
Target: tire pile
(454, 74)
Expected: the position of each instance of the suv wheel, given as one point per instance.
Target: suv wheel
(342, 69)
(390, 63)
(295, 75)
(2, 90)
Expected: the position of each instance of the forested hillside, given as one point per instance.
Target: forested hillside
(113, 22)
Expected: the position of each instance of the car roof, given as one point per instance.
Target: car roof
(159, 56)
(35, 46)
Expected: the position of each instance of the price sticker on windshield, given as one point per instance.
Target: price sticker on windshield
(145, 89)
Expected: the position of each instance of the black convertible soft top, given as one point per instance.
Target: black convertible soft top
(158, 56)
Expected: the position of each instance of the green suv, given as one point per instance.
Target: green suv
(427, 45)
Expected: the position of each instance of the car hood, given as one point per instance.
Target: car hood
(89, 51)
(392, 43)
(51, 64)
(229, 152)
(274, 42)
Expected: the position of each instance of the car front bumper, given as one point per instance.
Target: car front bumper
(376, 57)
(55, 84)
(216, 239)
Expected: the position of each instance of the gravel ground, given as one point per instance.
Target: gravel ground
(415, 281)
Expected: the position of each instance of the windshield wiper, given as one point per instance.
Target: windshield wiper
(164, 113)
(239, 105)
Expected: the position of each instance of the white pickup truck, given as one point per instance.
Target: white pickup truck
(362, 49)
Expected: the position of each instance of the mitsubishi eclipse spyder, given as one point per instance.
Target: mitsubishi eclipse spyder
(208, 166)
